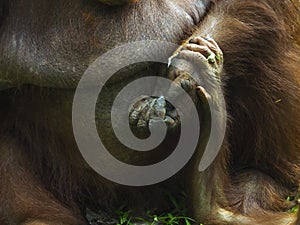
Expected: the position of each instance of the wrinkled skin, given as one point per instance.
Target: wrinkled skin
(47, 45)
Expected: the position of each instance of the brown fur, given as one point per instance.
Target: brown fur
(260, 40)
(44, 180)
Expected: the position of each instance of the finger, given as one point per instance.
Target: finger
(210, 43)
(204, 50)
(136, 110)
(170, 122)
(186, 85)
(203, 94)
(159, 108)
(190, 55)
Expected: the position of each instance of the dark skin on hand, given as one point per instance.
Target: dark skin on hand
(250, 48)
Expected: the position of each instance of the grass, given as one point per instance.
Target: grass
(296, 207)
(125, 218)
(177, 216)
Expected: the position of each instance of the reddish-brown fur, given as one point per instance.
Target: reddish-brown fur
(260, 41)
(44, 180)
